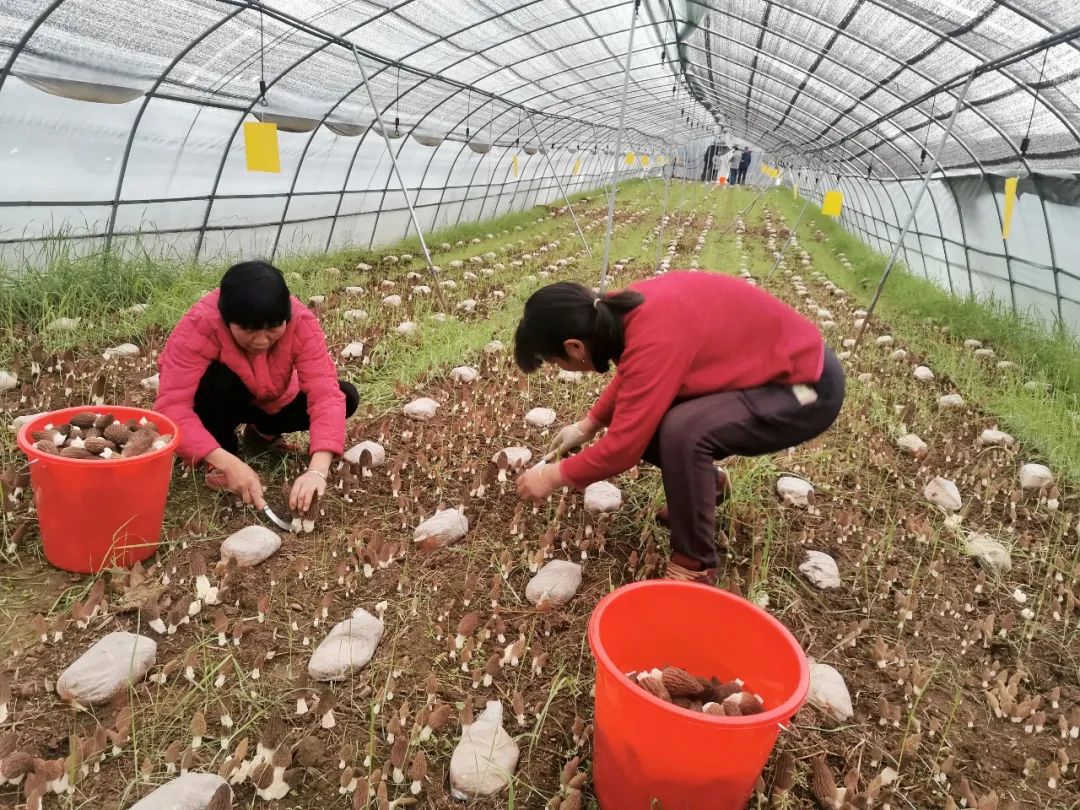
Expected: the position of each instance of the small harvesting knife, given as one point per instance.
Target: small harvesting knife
(281, 524)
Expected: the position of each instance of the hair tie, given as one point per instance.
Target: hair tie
(596, 302)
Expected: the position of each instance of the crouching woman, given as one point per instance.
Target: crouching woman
(707, 367)
(251, 354)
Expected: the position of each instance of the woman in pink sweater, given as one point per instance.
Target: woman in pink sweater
(251, 354)
(708, 367)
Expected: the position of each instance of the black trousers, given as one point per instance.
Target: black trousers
(223, 402)
(697, 432)
(742, 174)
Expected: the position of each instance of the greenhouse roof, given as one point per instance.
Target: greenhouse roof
(855, 84)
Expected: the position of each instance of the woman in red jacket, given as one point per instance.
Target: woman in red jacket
(250, 354)
(708, 367)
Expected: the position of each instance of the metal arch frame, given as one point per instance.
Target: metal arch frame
(1050, 246)
(840, 91)
(452, 167)
(163, 76)
(1046, 105)
(422, 82)
(460, 151)
(935, 89)
(795, 12)
(328, 39)
(880, 87)
(979, 113)
(479, 108)
(947, 85)
(491, 99)
(887, 167)
(289, 197)
(114, 211)
(580, 16)
(963, 236)
(861, 102)
(28, 34)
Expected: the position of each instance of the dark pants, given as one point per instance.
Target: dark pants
(733, 175)
(742, 175)
(697, 432)
(223, 402)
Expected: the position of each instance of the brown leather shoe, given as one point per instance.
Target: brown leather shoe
(723, 492)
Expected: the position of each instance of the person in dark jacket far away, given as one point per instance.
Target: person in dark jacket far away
(251, 354)
(707, 366)
(744, 165)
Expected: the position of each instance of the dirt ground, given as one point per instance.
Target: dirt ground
(927, 642)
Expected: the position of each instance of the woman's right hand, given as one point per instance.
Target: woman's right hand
(573, 436)
(239, 478)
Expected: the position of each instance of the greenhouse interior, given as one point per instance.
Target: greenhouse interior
(540, 404)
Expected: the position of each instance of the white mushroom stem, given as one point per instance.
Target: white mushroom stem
(278, 788)
(328, 720)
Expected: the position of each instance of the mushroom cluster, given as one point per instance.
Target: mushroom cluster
(698, 694)
(99, 437)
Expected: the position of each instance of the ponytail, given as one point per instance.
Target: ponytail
(570, 311)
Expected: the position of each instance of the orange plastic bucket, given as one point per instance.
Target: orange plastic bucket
(652, 755)
(96, 514)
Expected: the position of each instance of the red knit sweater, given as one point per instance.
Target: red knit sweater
(695, 334)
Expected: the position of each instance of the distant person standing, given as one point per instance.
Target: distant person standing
(733, 167)
(744, 165)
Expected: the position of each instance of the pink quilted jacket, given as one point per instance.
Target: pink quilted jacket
(299, 361)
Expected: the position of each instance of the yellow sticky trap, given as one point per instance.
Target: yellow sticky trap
(514, 164)
(645, 161)
(1010, 203)
(833, 203)
(630, 158)
(261, 147)
(577, 167)
(795, 190)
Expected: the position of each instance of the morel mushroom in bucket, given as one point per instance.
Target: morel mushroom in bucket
(100, 437)
(100, 479)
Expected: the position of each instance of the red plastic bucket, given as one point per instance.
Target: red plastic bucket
(650, 754)
(97, 514)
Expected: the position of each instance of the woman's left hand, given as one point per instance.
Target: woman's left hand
(538, 483)
(305, 489)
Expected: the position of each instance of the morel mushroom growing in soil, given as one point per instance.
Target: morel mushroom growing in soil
(511, 459)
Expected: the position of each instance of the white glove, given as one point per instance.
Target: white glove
(570, 438)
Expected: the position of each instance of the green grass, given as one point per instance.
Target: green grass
(935, 324)
(97, 288)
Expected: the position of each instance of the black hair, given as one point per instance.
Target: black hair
(254, 295)
(570, 311)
